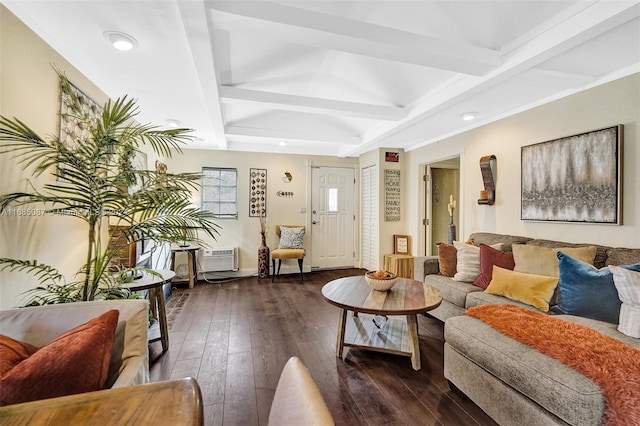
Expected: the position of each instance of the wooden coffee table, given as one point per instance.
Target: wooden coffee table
(402, 304)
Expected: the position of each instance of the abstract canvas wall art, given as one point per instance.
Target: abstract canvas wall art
(574, 179)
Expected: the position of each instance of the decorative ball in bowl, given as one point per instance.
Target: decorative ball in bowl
(381, 280)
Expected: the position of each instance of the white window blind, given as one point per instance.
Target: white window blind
(220, 192)
(370, 218)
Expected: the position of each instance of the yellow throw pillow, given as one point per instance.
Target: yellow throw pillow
(534, 290)
(537, 260)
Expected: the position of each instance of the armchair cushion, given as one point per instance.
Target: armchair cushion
(288, 253)
(75, 362)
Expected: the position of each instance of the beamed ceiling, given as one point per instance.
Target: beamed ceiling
(339, 77)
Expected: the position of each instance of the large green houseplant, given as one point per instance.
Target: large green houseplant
(92, 183)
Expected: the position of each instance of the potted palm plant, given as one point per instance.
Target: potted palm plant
(93, 183)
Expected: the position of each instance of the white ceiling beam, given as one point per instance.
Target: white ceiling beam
(287, 135)
(281, 101)
(325, 31)
(559, 80)
(199, 34)
(586, 24)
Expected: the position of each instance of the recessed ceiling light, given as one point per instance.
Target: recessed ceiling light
(282, 143)
(468, 116)
(120, 41)
(172, 122)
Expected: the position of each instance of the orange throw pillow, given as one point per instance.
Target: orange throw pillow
(75, 362)
(13, 352)
(447, 259)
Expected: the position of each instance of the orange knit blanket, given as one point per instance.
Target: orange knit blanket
(611, 364)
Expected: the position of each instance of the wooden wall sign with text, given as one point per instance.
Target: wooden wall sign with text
(392, 195)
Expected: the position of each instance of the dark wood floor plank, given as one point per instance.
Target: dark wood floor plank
(235, 338)
(240, 407)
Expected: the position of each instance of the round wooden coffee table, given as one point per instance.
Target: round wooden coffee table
(402, 304)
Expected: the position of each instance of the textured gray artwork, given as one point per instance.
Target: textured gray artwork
(573, 179)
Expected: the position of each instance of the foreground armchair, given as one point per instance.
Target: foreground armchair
(129, 361)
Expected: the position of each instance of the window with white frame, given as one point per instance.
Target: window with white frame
(220, 192)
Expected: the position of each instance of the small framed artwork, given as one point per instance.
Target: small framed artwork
(392, 157)
(401, 244)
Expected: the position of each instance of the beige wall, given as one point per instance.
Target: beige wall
(614, 103)
(29, 91)
(244, 232)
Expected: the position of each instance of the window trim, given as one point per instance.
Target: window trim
(205, 169)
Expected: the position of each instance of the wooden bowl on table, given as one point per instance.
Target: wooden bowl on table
(381, 280)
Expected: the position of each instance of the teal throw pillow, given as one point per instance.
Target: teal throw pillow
(586, 291)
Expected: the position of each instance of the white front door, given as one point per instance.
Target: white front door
(332, 217)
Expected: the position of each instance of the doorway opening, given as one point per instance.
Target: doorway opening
(442, 184)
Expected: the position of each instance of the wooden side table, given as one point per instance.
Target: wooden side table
(156, 302)
(191, 251)
(401, 264)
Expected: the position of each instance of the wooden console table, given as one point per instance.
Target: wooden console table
(172, 402)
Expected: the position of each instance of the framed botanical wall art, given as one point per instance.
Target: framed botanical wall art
(574, 179)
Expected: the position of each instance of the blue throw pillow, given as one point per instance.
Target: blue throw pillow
(585, 291)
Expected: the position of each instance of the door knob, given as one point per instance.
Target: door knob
(314, 222)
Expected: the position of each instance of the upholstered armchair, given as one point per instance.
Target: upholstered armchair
(290, 246)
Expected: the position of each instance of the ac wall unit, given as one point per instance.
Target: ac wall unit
(219, 259)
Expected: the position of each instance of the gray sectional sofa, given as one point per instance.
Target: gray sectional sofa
(512, 382)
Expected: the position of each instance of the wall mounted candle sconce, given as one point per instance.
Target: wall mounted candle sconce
(488, 165)
(287, 178)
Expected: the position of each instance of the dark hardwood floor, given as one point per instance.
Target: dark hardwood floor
(235, 337)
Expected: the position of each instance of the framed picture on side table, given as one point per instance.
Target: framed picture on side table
(401, 244)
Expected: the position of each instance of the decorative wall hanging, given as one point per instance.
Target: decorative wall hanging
(286, 194)
(72, 131)
(487, 167)
(392, 209)
(574, 179)
(257, 192)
